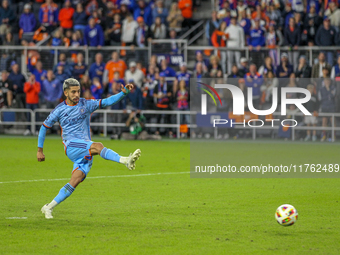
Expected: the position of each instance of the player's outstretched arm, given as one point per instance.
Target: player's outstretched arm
(41, 140)
(116, 98)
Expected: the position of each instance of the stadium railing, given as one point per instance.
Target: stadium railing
(105, 122)
(49, 55)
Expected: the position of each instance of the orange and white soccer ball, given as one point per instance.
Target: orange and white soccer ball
(286, 215)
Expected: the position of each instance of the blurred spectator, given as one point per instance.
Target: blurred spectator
(76, 40)
(68, 68)
(245, 23)
(135, 97)
(211, 26)
(52, 90)
(175, 17)
(134, 74)
(292, 39)
(79, 18)
(274, 39)
(312, 106)
(87, 94)
(214, 66)
(169, 72)
(234, 74)
(48, 15)
(285, 69)
(261, 15)
(235, 40)
(162, 93)
(202, 60)
(18, 81)
(142, 9)
(9, 41)
(182, 97)
(287, 14)
(326, 36)
(270, 82)
(218, 39)
(174, 45)
(60, 73)
(114, 31)
(140, 66)
(141, 38)
(182, 75)
(254, 80)
(311, 25)
(267, 67)
(224, 13)
(257, 37)
(124, 10)
(96, 88)
(93, 34)
(97, 68)
(317, 68)
(199, 72)
(273, 13)
(115, 64)
(186, 7)
(292, 84)
(326, 96)
(31, 89)
(85, 83)
(79, 69)
(91, 6)
(56, 40)
(333, 13)
(158, 29)
(66, 15)
(6, 90)
(243, 67)
(303, 72)
(159, 11)
(39, 72)
(297, 6)
(242, 7)
(129, 30)
(27, 20)
(336, 69)
(7, 17)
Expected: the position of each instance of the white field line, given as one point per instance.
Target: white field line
(94, 177)
(16, 218)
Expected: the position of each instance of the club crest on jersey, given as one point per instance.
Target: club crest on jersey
(82, 110)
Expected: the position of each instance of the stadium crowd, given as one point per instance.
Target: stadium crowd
(259, 25)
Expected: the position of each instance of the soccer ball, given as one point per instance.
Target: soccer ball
(286, 215)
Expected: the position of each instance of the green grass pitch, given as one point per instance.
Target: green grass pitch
(158, 208)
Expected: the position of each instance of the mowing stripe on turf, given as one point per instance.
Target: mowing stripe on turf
(94, 177)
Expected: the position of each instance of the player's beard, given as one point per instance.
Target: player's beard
(73, 100)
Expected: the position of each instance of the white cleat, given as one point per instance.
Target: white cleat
(132, 159)
(47, 211)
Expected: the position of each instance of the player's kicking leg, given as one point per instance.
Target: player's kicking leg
(105, 153)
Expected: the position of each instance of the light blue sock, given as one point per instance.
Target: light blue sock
(109, 155)
(64, 193)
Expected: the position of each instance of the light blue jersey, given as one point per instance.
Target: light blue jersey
(74, 120)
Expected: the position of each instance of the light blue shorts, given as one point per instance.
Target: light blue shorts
(78, 151)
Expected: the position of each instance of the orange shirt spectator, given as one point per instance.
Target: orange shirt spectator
(32, 89)
(66, 16)
(116, 66)
(186, 7)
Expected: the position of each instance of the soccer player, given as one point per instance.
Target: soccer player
(73, 116)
